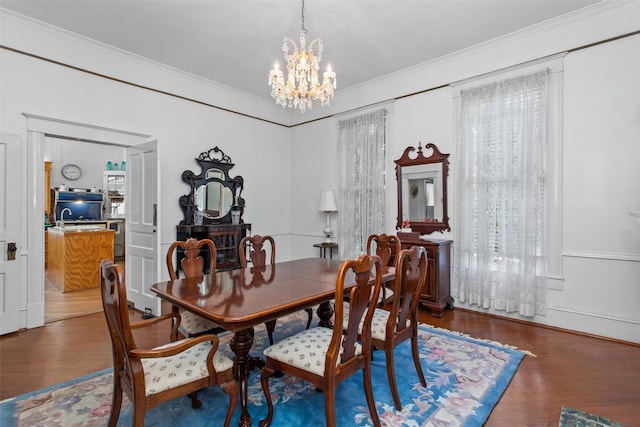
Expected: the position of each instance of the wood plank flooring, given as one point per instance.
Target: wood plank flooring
(595, 375)
(59, 305)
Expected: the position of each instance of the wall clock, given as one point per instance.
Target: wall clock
(71, 172)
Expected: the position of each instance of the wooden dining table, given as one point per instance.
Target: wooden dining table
(240, 299)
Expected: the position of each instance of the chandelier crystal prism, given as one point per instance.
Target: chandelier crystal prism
(302, 85)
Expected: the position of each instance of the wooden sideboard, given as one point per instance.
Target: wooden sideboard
(226, 237)
(436, 293)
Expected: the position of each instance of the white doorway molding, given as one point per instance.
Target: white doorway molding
(38, 129)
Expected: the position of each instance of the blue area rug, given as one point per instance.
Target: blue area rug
(465, 379)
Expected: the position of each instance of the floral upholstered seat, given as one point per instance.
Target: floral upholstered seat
(193, 325)
(378, 323)
(326, 357)
(390, 328)
(305, 350)
(149, 377)
(169, 372)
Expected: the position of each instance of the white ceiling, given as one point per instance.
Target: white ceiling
(236, 42)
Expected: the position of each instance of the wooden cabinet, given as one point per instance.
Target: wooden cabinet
(436, 293)
(74, 257)
(226, 237)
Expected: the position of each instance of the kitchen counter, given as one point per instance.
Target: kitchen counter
(74, 255)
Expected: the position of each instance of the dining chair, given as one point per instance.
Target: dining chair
(193, 265)
(255, 246)
(391, 327)
(387, 247)
(334, 355)
(151, 376)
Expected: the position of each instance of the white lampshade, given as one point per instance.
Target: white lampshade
(327, 201)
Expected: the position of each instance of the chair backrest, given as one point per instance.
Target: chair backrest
(193, 264)
(368, 279)
(116, 311)
(387, 247)
(411, 275)
(257, 251)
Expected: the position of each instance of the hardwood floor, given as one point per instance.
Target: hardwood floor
(59, 305)
(595, 375)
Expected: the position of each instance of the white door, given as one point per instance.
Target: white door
(10, 215)
(141, 239)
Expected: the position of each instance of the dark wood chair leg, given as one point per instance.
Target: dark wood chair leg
(271, 326)
(231, 388)
(330, 406)
(116, 405)
(391, 376)
(416, 359)
(138, 416)
(368, 391)
(310, 313)
(195, 403)
(264, 379)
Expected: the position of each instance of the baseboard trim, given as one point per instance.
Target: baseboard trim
(551, 327)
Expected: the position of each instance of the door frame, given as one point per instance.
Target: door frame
(38, 128)
(13, 229)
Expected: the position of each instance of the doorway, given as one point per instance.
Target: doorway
(94, 161)
(38, 128)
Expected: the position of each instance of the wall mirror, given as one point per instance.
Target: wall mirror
(215, 197)
(422, 189)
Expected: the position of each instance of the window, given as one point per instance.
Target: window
(361, 181)
(501, 204)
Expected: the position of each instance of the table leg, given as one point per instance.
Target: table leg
(241, 344)
(325, 313)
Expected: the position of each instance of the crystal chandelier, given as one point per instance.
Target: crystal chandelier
(302, 86)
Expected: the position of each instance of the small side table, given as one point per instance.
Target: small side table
(323, 249)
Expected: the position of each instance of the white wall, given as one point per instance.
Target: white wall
(183, 129)
(598, 291)
(601, 289)
(285, 169)
(92, 159)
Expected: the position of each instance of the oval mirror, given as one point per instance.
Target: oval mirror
(422, 190)
(214, 196)
(214, 199)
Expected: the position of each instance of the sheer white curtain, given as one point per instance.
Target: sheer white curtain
(500, 257)
(361, 181)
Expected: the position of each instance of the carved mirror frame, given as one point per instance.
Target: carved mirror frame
(407, 160)
(217, 161)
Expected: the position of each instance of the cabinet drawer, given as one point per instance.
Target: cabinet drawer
(432, 250)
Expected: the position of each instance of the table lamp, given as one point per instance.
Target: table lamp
(328, 205)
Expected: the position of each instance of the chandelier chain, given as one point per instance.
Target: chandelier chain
(304, 30)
